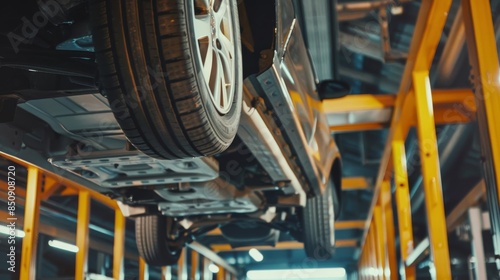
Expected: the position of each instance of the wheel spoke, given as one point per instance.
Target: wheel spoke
(202, 27)
(219, 72)
(226, 62)
(227, 75)
(221, 13)
(226, 44)
(207, 64)
(224, 91)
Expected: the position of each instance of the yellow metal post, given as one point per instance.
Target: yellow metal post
(31, 220)
(119, 244)
(379, 241)
(143, 270)
(366, 255)
(50, 185)
(372, 256)
(483, 56)
(427, 33)
(361, 263)
(431, 174)
(390, 269)
(367, 258)
(82, 235)
(221, 275)
(365, 263)
(402, 196)
(195, 261)
(181, 266)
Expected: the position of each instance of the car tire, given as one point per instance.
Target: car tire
(171, 70)
(318, 225)
(151, 234)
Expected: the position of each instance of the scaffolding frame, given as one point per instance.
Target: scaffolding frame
(413, 105)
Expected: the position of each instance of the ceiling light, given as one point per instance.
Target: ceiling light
(7, 231)
(63, 246)
(397, 10)
(213, 268)
(256, 255)
(304, 273)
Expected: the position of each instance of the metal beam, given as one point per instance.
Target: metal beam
(339, 225)
(379, 239)
(456, 216)
(369, 111)
(372, 249)
(283, 245)
(427, 139)
(355, 183)
(420, 251)
(221, 275)
(342, 128)
(143, 270)
(195, 264)
(359, 102)
(31, 221)
(215, 231)
(182, 266)
(402, 196)
(212, 256)
(473, 198)
(483, 56)
(391, 268)
(50, 186)
(476, 229)
(118, 245)
(354, 224)
(428, 29)
(82, 235)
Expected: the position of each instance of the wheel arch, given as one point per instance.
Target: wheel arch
(257, 25)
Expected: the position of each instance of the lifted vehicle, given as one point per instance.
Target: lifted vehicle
(192, 114)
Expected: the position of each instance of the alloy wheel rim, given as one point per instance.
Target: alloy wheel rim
(213, 31)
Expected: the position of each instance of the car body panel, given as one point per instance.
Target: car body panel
(297, 72)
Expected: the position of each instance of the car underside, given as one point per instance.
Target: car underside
(57, 114)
